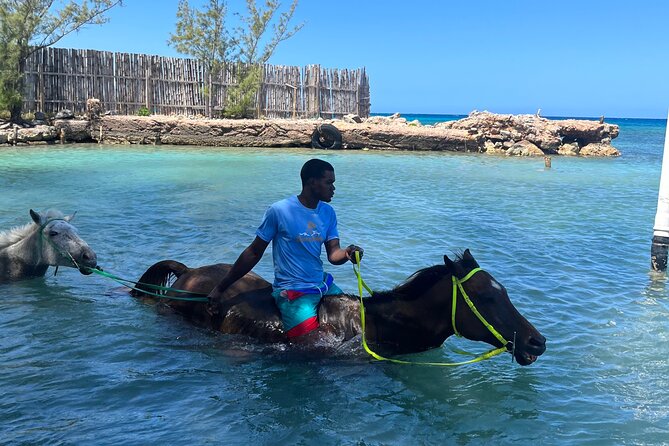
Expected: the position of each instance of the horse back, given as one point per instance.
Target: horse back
(250, 307)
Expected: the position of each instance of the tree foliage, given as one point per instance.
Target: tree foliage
(203, 34)
(10, 75)
(255, 46)
(241, 97)
(27, 26)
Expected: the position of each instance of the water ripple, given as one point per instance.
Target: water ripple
(85, 363)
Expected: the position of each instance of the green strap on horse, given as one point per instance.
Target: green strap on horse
(457, 285)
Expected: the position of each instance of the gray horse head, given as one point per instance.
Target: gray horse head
(59, 242)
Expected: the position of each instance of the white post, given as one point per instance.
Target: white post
(660, 245)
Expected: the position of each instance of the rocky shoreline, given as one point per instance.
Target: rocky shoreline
(480, 132)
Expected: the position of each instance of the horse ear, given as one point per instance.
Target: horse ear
(69, 218)
(449, 263)
(469, 258)
(36, 217)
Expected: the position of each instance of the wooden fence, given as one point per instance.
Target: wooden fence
(60, 78)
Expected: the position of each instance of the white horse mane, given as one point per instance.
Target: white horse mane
(14, 235)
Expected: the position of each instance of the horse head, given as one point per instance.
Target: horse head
(499, 323)
(60, 244)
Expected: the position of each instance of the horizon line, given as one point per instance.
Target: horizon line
(547, 116)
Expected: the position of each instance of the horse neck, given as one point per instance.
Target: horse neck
(23, 258)
(399, 323)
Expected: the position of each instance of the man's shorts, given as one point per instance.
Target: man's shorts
(299, 308)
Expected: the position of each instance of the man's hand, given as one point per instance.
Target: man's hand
(213, 301)
(244, 263)
(351, 250)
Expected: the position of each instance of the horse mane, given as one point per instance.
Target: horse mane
(418, 282)
(15, 235)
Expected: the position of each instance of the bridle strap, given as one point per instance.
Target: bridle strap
(53, 245)
(454, 300)
(361, 284)
(457, 285)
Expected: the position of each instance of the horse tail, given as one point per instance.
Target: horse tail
(159, 274)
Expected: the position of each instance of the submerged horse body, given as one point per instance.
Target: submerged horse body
(417, 315)
(49, 240)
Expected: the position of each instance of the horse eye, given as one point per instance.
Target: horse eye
(53, 233)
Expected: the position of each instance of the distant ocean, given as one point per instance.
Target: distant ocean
(640, 138)
(425, 119)
(430, 119)
(85, 363)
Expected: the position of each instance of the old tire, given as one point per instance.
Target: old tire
(326, 136)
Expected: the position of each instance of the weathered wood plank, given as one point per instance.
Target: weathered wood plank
(58, 78)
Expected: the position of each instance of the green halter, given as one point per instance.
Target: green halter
(457, 285)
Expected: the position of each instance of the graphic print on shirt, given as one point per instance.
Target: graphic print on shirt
(311, 234)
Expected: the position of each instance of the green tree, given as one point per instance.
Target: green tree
(262, 29)
(27, 26)
(256, 45)
(10, 75)
(202, 35)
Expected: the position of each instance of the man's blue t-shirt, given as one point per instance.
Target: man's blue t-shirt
(298, 234)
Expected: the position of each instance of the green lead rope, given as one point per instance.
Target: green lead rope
(201, 297)
(192, 297)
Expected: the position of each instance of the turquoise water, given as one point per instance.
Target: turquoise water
(83, 363)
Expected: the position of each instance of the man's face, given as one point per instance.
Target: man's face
(323, 187)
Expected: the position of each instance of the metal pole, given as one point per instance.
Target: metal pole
(660, 245)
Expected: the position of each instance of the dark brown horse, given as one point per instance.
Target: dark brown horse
(413, 317)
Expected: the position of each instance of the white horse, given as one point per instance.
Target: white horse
(50, 240)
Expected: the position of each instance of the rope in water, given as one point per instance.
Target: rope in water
(192, 297)
(362, 284)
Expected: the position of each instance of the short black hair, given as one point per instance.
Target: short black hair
(314, 168)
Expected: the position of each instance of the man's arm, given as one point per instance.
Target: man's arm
(338, 255)
(245, 263)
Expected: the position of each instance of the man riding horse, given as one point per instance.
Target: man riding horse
(298, 227)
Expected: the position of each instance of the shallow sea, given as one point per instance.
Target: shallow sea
(84, 363)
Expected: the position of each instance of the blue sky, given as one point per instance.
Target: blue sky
(567, 58)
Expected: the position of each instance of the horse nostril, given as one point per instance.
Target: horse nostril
(89, 257)
(538, 341)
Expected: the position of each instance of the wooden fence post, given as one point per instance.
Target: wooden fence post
(41, 83)
(294, 99)
(318, 91)
(259, 94)
(147, 87)
(210, 96)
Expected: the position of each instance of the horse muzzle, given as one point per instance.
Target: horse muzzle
(87, 262)
(529, 351)
(86, 271)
